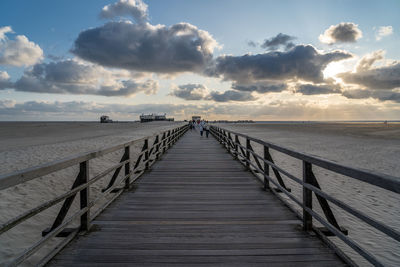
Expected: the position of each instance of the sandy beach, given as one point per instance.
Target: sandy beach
(28, 144)
(370, 146)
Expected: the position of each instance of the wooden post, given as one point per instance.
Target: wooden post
(84, 195)
(170, 138)
(266, 168)
(127, 167)
(157, 146)
(165, 141)
(248, 153)
(236, 146)
(307, 196)
(146, 154)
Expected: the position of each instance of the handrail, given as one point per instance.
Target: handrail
(385, 181)
(310, 185)
(149, 154)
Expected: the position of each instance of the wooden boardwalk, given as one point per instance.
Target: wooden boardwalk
(197, 206)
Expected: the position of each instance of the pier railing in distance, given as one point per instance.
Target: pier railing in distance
(133, 169)
(261, 165)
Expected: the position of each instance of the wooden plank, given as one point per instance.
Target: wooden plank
(231, 264)
(161, 259)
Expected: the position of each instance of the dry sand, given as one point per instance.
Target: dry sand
(27, 144)
(371, 146)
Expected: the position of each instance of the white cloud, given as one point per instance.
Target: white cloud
(4, 80)
(383, 31)
(18, 52)
(135, 8)
(3, 31)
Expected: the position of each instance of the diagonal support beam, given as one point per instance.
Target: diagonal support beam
(116, 172)
(324, 203)
(66, 206)
(276, 172)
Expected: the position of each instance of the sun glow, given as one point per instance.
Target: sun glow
(334, 68)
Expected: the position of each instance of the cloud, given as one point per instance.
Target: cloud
(72, 77)
(3, 31)
(200, 92)
(5, 81)
(135, 8)
(281, 110)
(181, 47)
(261, 88)
(368, 60)
(378, 78)
(302, 62)
(380, 95)
(190, 91)
(345, 32)
(18, 52)
(252, 43)
(80, 110)
(383, 31)
(311, 89)
(231, 95)
(279, 40)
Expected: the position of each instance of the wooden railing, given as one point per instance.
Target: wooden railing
(81, 185)
(260, 166)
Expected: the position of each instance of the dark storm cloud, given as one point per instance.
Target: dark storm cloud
(200, 92)
(387, 77)
(345, 32)
(302, 62)
(260, 88)
(179, 48)
(311, 89)
(280, 40)
(380, 95)
(71, 77)
(190, 91)
(230, 95)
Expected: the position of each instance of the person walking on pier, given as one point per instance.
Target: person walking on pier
(201, 127)
(206, 128)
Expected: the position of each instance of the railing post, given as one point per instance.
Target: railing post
(84, 195)
(247, 153)
(266, 168)
(146, 154)
(127, 167)
(307, 196)
(236, 146)
(157, 146)
(165, 141)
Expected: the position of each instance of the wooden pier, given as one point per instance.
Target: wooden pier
(199, 201)
(197, 206)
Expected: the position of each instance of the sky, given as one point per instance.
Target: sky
(223, 60)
